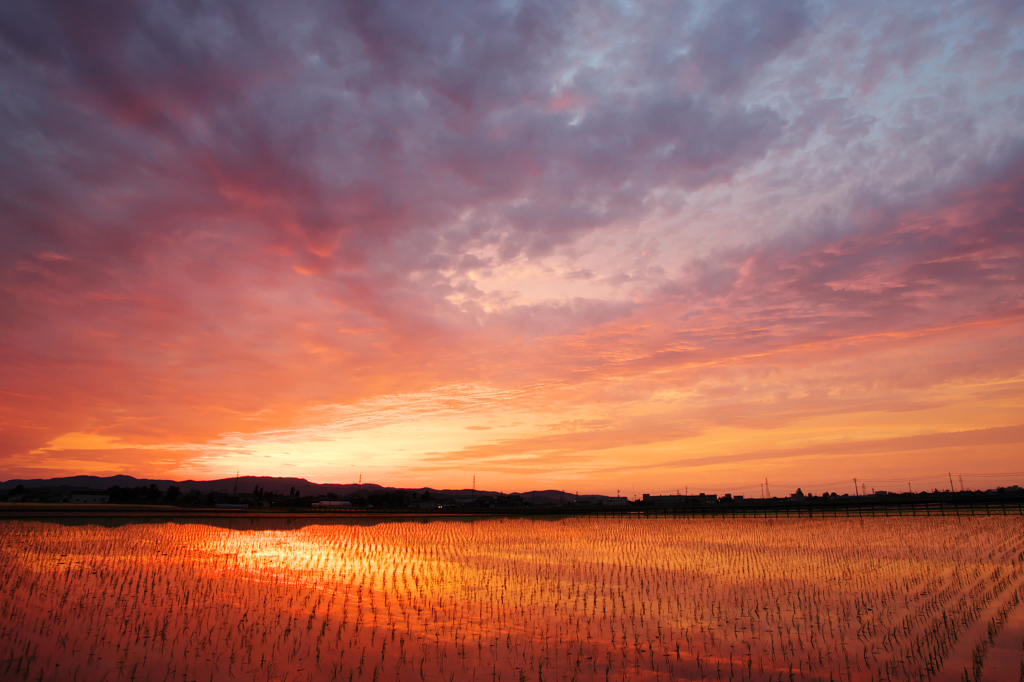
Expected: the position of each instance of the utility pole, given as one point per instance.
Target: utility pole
(950, 481)
(767, 490)
(864, 489)
(961, 482)
(855, 493)
(909, 488)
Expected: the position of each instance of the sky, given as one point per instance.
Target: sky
(606, 247)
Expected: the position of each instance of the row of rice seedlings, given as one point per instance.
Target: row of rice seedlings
(574, 599)
(993, 627)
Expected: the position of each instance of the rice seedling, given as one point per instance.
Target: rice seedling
(504, 599)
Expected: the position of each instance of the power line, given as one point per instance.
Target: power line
(860, 480)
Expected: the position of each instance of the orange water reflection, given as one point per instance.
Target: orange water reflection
(574, 599)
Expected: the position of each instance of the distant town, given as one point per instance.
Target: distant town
(297, 494)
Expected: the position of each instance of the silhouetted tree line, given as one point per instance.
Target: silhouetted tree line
(140, 494)
(393, 499)
(408, 499)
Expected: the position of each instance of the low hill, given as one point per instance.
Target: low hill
(281, 486)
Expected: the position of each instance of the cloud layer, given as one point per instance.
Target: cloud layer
(683, 228)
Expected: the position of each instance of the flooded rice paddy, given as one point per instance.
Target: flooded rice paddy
(513, 599)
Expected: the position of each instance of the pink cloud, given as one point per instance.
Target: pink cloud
(216, 220)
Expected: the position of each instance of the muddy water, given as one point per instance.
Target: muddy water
(501, 599)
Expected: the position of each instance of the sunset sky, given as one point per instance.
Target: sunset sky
(597, 246)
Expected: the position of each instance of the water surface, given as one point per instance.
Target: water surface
(513, 599)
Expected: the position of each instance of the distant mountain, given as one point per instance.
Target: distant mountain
(282, 486)
(243, 484)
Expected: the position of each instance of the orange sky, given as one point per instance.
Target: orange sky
(568, 247)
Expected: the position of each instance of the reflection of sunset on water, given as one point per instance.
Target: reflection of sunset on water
(581, 599)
